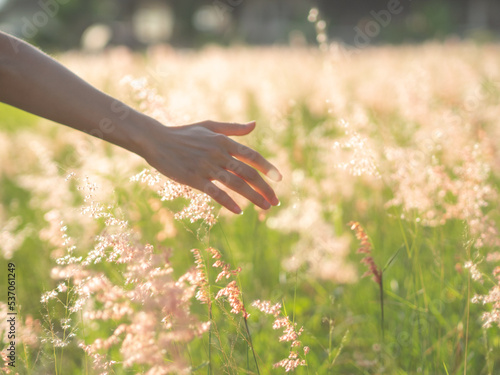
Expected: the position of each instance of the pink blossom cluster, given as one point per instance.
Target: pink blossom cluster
(366, 248)
(233, 294)
(147, 98)
(200, 278)
(200, 205)
(231, 291)
(268, 308)
(437, 192)
(150, 305)
(290, 334)
(493, 298)
(362, 159)
(292, 362)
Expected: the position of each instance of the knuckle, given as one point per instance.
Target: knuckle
(245, 151)
(205, 164)
(252, 174)
(215, 153)
(220, 138)
(223, 177)
(233, 165)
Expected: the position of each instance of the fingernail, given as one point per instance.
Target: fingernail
(274, 175)
(279, 203)
(250, 122)
(241, 212)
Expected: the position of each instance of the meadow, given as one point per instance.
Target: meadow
(381, 259)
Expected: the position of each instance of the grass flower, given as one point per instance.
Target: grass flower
(423, 168)
(290, 334)
(366, 248)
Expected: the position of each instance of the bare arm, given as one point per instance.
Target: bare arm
(194, 155)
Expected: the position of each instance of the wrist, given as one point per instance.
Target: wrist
(139, 132)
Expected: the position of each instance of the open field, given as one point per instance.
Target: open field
(394, 150)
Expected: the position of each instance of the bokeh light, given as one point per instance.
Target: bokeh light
(153, 23)
(206, 19)
(96, 37)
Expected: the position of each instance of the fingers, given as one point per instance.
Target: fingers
(228, 128)
(253, 158)
(219, 158)
(242, 152)
(240, 186)
(238, 177)
(221, 197)
(253, 178)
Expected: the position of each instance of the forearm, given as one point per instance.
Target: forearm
(34, 82)
(194, 155)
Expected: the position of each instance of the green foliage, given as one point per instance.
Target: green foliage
(430, 324)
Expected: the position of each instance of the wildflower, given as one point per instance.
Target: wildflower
(363, 158)
(475, 274)
(215, 253)
(48, 296)
(267, 308)
(145, 280)
(233, 293)
(290, 363)
(493, 297)
(62, 287)
(226, 271)
(200, 205)
(319, 248)
(200, 281)
(290, 334)
(366, 248)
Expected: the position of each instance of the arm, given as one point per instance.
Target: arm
(194, 155)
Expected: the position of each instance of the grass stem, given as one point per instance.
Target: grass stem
(251, 345)
(381, 285)
(210, 338)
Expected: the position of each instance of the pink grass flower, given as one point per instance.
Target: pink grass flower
(290, 334)
(233, 294)
(366, 248)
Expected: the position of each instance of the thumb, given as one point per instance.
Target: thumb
(230, 128)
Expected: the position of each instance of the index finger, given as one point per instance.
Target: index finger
(254, 159)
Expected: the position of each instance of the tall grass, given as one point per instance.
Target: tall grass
(402, 140)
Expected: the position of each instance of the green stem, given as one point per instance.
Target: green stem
(210, 338)
(83, 333)
(49, 322)
(408, 251)
(26, 359)
(64, 329)
(25, 349)
(467, 325)
(251, 345)
(55, 357)
(381, 285)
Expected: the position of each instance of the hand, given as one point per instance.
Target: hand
(193, 155)
(200, 153)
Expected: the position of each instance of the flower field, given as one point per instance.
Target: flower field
(383, 257)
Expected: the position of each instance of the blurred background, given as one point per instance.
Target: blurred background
(96, 24)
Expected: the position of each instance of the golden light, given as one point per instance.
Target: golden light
(153, 23)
